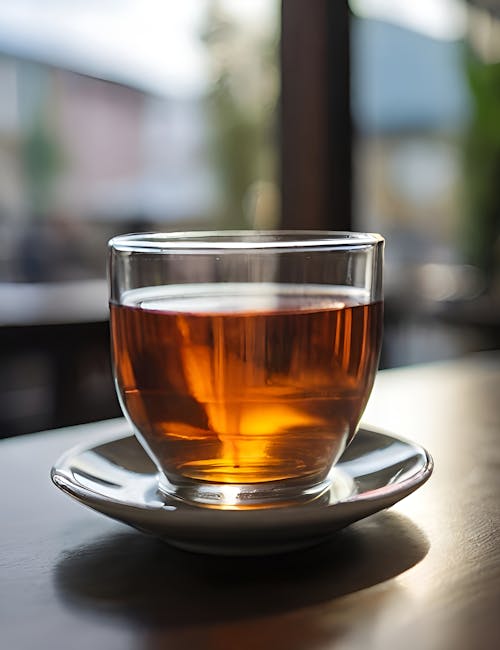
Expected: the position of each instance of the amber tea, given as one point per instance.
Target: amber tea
(245, 383)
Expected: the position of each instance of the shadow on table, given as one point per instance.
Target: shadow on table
(150, 583)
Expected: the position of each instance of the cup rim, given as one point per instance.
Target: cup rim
(243, 240)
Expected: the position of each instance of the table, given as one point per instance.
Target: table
(424, 574)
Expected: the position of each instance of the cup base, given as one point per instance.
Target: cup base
(244, 496)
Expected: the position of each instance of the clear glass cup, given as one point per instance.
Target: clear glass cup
(244, 360)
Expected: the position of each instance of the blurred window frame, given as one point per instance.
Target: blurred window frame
(316, 124)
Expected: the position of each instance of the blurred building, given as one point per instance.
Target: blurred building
(85, 157)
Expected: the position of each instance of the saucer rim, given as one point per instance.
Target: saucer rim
(383, 496)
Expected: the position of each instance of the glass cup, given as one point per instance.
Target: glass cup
(244, 360)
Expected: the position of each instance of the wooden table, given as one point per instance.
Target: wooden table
(425, 574)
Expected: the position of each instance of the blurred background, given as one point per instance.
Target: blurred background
(130, 115)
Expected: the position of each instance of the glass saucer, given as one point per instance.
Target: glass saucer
(119, 480)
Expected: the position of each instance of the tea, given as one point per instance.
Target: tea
(245, 382)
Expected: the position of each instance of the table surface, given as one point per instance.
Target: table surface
(424, 574)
